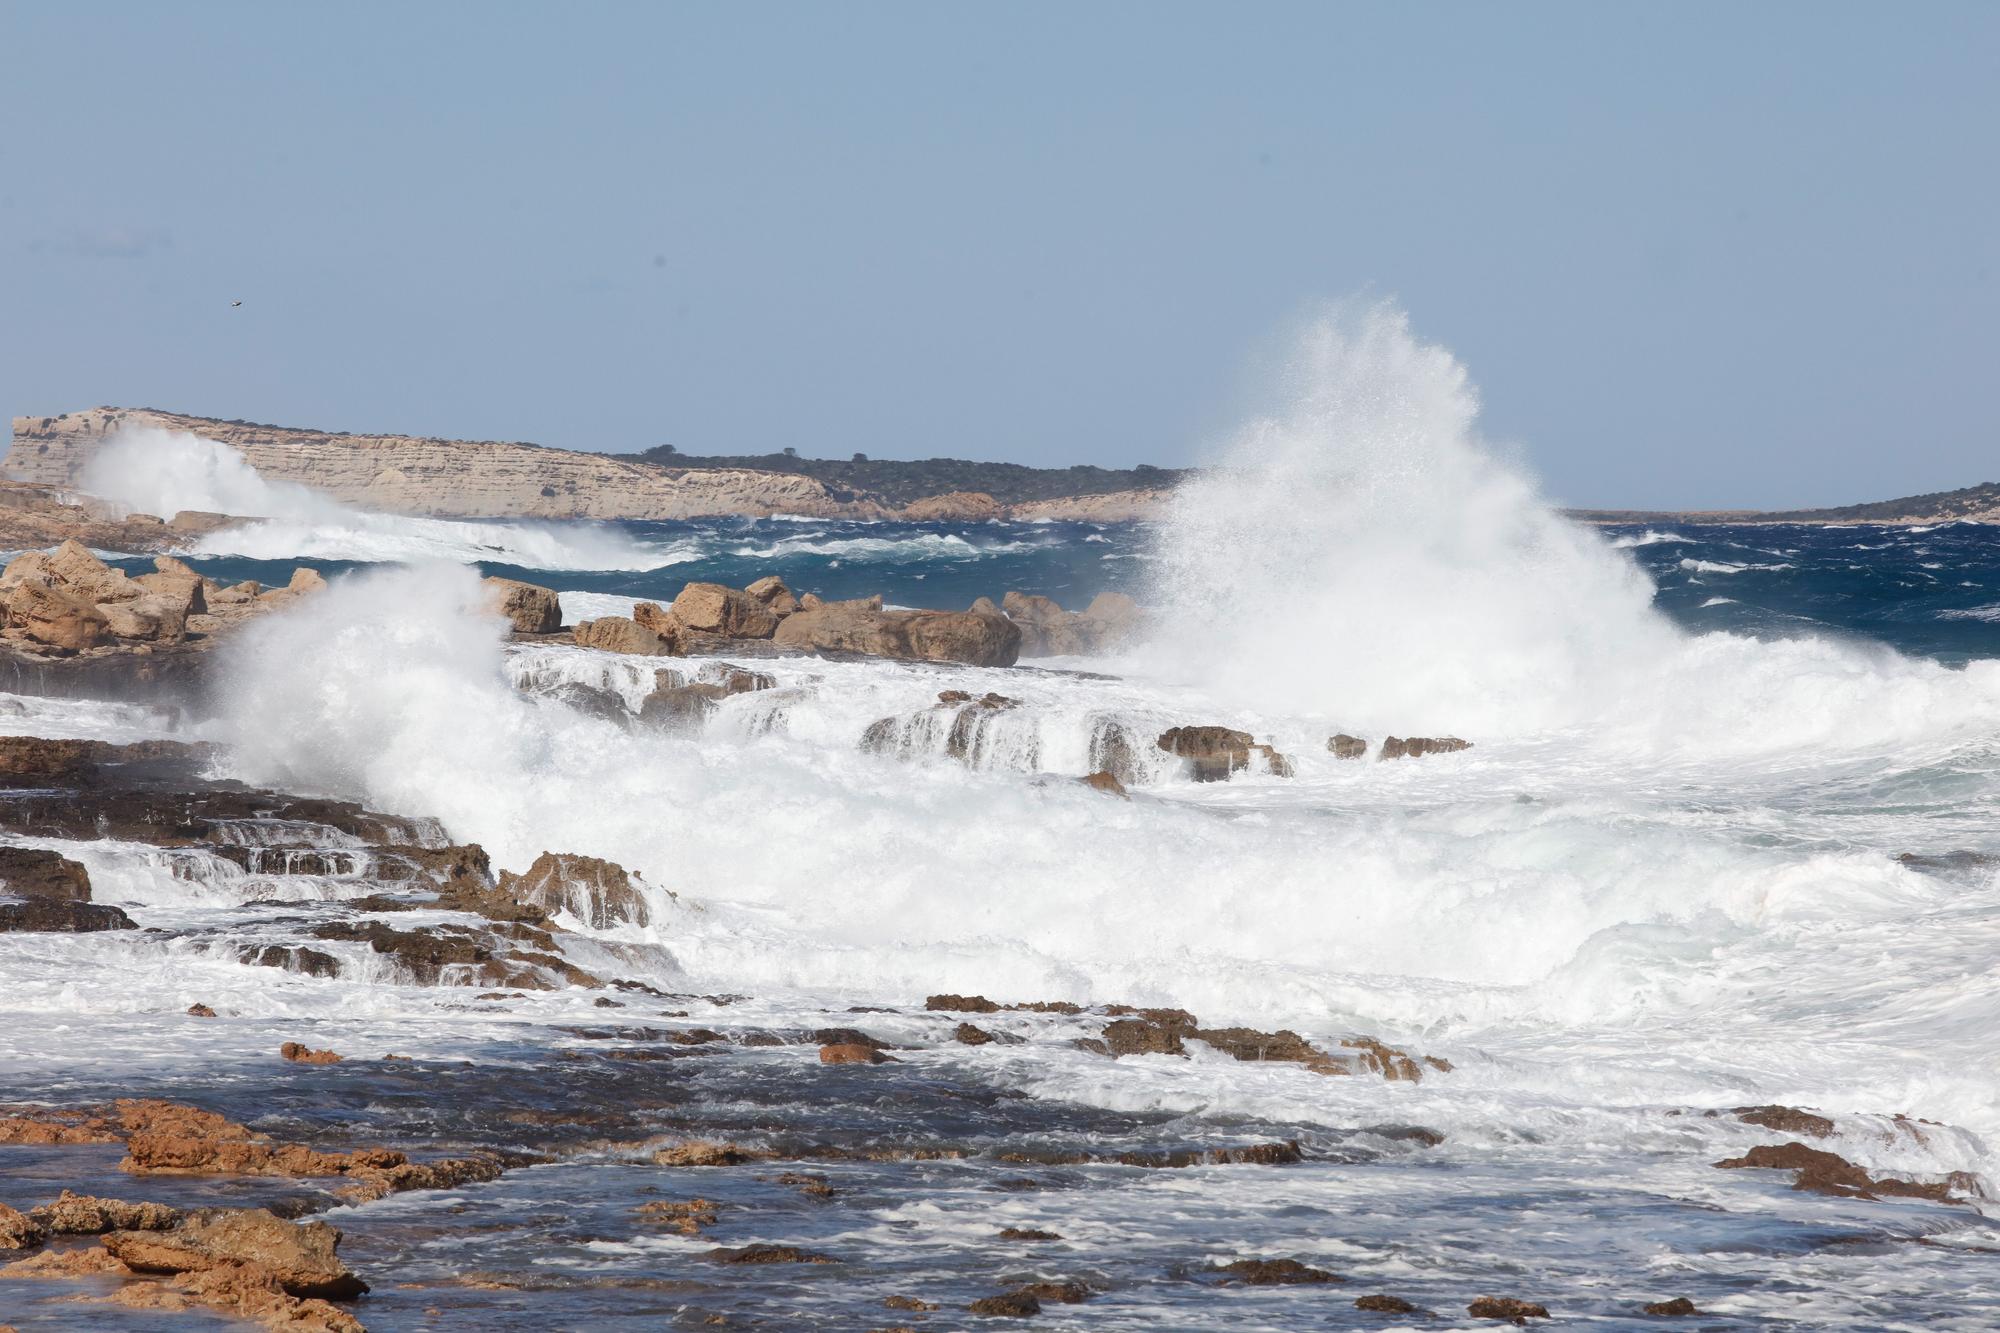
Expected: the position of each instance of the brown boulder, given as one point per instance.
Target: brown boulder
(147, 619)
(528, 607)
(1011, 1305)
(1820, 1172)
(852, 1053)
(18, 1231)
(776, 597)
(1679, 1305)
(182, 592)
(32, 872)
(963, 636)
(1507, 1308)
(1344, 746)
(618, 634)
(1275, 1273)
(307, 579)
(57, 619)
(730, 612)
(300, 1257)
(663, 623)
(73, 568)
(844, 629)
(58, 917)
(1786, 1120)
(599, 893)
(299, 1053)
(1213, 753)
(1381, 1304)
(960, 1004)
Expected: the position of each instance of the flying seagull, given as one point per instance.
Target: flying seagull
(234, 304)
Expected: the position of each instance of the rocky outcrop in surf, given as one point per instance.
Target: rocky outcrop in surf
(67, 602)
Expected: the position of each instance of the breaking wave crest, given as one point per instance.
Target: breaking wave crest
(163, 472)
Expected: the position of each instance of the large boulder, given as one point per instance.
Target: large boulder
(300, 1256)
(663, 623)
(730, 612)
(963, 636)
(35, 872)
(529, 607)
(776, 597)
(183, 592)
(619, 634)
(73, 568)
(844, 628)
(972, 637)
(47, 916)
(148, 618)
(598, 893)
(1049, 631)
(55, 618)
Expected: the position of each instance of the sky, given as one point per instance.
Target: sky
(1693, 254)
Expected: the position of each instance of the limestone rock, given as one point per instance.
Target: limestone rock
(44, 916)
(664, 623)
(776, 597)
(1344, 746)
(528, 607)
(33, 872)
(618, 634)
(301, 1257)
(48, 616)
(85, 1215)
(730, 612)
(599, 893)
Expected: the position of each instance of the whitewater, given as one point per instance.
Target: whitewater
(1668, 880)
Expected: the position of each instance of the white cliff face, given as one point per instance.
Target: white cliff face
(445, 478)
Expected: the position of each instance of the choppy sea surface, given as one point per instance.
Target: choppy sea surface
(1667, 882)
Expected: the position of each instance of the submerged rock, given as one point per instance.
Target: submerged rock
(1214, 753)
(1275, 1273)
(852, 1053)
(1412, 747)
(1821, 1172)
(1679, 1305)
(1507, 1308)
(1786, 1120)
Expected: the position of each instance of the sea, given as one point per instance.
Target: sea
(1727, 836)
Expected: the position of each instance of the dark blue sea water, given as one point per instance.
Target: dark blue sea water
(1928, 591)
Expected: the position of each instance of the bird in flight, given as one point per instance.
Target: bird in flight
(234, 304)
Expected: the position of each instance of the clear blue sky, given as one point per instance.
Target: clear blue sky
(1693, 253)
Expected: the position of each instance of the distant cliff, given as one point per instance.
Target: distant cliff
(902, 481)
(494, 479)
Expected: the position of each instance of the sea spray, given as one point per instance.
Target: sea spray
(156, 471)
(1360, 555)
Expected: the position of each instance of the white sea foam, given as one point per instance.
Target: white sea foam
(162, 472)
(1663, 876)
